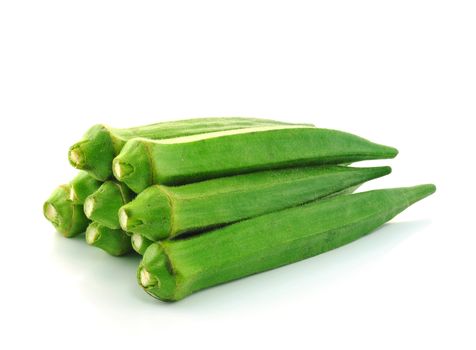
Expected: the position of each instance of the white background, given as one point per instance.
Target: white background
(401, 73)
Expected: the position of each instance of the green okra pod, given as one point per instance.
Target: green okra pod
(101, 143)
(67, 218)
(188, 159)
(82, 186)
(102, 205)
(171, 270)
(161, 212)
(114, 242)
(140, 243)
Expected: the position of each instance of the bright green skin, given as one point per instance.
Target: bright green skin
(114, 242)
(100, 144)
(161, 212)
(140, 243)
(105, 203)
(143, 162)
(175, 269)
(82, 186)
(69, 219)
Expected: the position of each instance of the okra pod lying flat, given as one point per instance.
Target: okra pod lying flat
(161, 212)
(144, 162)
(82, 186)
(114, 242)
(102, 205)
(67, 218)
(140, 243)
(95, 152)
(171, 270)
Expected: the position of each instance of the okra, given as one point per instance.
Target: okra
(140, 243)
(171, 270)
(144, 162)
(67, 218)
(101, 143)
(114, 242)
(82, 186)
(161, 212)
(102, 205)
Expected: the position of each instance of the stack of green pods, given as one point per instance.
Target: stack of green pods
(210, 200)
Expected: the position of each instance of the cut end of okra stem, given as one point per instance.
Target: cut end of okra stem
(76, 156)
(67, 218)
(156, 276)
(94, 153)
(50, 212)
(88, 206)
(92, 234)
(148, 214)
(122, 169)
(147, 280)
(123, 218)
(140, 243)
(102, 205)
(132, 166)
(82, 186)
(73, 197)
(113, 242)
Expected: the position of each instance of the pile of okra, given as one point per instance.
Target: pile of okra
(206, 201)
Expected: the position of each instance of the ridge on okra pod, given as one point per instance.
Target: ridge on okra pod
(144, 162)
(100, 144)
(161, 212)
(172, 270)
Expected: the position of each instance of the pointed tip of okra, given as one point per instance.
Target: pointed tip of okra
(416, 193)
(389, 152)
(382, 170)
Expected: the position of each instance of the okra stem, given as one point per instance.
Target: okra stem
(67, 218)
(140, 243)
(102, 205)
(114, 242)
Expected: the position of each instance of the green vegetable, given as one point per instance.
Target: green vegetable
(82, 186)
(171, 270)
(67, 218)
(95, 152)
(102, 205)
(144, 162)
(114, 242)
(140, 243)
(161, 212)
